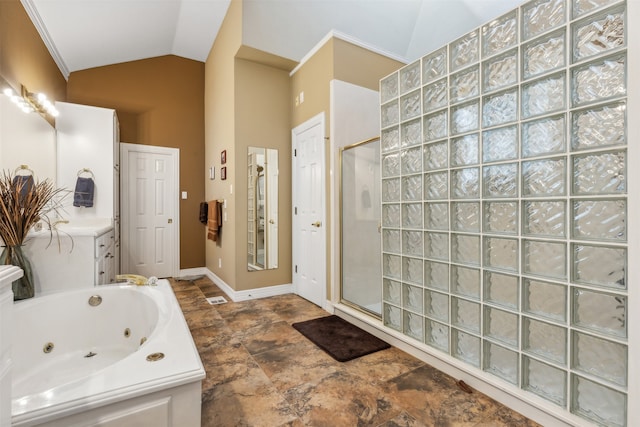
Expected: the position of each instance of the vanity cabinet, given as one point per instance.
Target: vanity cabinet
(88, 145)
(80, 256)
(105, 262)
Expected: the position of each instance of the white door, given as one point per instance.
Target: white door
(150, 223)
(309, 232)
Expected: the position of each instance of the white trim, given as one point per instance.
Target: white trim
(248, 294)
(32, 11)
(125, 148)
(537, 409)
(350, 39)
(191, 272)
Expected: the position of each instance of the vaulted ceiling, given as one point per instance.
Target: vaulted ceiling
(84, 34)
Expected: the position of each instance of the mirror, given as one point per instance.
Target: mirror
(26, 139)
(262, 209)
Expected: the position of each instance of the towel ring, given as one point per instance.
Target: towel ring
(23, 168)
(86, 170)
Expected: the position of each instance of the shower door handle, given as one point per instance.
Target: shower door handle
(316, 224)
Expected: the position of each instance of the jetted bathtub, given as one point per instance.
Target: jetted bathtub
(114, 355)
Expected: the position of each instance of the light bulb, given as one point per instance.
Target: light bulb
(8, 91)
(42, 97)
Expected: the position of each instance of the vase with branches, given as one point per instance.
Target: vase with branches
(23, 204)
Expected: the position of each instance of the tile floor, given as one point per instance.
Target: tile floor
(262, 372)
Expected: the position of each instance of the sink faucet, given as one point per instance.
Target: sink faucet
(59, 221)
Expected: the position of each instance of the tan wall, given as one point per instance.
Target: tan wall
(159, 102)
(359, 66)
(262, 120)
(24, 58)
(219, 126)
(313, 79)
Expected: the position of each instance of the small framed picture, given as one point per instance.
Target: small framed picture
(223, 173)
(223, 157)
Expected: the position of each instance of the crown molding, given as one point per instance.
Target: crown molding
(350, 39)
(32, 11)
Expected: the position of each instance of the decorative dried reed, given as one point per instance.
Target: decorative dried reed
(21, 209)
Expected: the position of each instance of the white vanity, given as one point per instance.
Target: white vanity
(80, 253)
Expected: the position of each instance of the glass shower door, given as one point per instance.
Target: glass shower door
(361, 272)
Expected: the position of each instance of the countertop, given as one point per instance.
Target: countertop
(78, 227)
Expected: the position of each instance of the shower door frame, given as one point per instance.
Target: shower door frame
(341, 233)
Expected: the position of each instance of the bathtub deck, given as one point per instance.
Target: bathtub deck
(69, 367)
(262, 372)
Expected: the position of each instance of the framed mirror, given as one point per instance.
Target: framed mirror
(262, 209)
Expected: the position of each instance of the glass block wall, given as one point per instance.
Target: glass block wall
(505, 201)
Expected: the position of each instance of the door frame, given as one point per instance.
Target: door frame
(174, 153)
(318, 119)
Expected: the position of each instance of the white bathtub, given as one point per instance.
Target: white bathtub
(78, 364)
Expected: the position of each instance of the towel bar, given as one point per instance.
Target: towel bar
(86, 170)
(23, 168)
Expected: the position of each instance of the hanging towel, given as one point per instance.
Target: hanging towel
(214, 222)
(203, 212)
(83, 195)
(24, 185)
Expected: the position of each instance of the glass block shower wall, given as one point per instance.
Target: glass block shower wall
(504, 202)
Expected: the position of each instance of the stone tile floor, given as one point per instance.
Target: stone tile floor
(262, 372)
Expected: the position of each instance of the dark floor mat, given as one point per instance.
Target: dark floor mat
(339, 338)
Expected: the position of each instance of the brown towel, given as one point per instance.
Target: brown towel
(214, 222)
(203, 212)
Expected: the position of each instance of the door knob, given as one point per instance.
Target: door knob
(271, 221)
(170, 221)
(317, 224)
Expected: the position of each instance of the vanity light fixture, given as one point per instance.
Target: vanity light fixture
(30, 102)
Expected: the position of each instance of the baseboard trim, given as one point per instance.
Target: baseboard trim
(192, 271)
(245, 295)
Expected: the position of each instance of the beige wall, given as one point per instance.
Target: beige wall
(159, 101)
(219, 99)
(356, 65)
(246, 104)
(262, 120)
(313, 79)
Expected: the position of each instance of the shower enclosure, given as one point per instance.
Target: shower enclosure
(504, 205)
(360, 232)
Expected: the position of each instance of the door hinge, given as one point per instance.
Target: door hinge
(295, 210)
(295, 152)
(296, 269)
